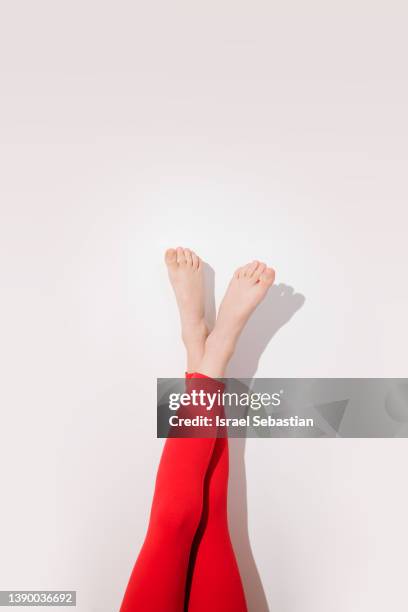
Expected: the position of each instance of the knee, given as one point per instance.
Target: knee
(180, 516)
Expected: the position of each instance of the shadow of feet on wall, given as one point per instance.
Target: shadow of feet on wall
(275, 311)
(279, 306)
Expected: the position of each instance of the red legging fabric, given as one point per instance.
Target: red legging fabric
(187, 562)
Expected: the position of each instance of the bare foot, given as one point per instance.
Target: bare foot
(185, 270)
(246, 290)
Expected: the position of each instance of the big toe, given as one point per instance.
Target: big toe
(170, 257)
(267, 277)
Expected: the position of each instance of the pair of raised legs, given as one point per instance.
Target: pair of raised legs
(187, 562)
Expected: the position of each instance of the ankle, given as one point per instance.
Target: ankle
(220, 344)
(194, 333)
(218, 351)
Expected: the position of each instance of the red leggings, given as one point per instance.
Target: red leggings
(187, 562)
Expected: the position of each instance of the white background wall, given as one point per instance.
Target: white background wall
(269, 130)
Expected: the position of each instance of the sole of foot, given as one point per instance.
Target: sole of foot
(248, 287)
(186, 276)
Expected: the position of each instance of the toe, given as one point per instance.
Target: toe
(188, 257)
(170, 256)
(180, 255)
(251, 268)
(196, 260)
(260, 269)
(267, 277)
(246, 270)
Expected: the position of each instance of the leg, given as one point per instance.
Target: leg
(158, 580)
(215, 583)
